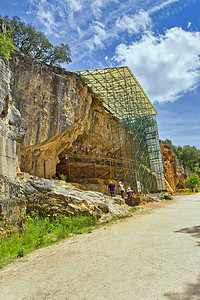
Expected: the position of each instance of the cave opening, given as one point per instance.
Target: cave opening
(84, 168)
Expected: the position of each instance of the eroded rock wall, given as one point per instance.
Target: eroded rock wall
(12, 130)
(12, 125)
(176, 173)
(60, 114)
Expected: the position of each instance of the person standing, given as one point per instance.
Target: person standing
(121, 188)
(130, 195)
(112, 189)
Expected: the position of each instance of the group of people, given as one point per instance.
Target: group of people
(129, 193)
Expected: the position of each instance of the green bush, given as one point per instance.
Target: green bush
(167, 197)
(40, 232)
(192, 181)
(6, 45)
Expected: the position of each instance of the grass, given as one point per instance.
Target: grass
(40, 232)
(134, 209)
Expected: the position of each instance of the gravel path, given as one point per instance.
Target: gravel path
(153, 255)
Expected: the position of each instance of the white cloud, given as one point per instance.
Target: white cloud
(97, 5)
(162, 5)
(75, 5)
(46, 18)
(98, 36)
(189, 24)
(94, 24)
(135, 23)
(167, 66)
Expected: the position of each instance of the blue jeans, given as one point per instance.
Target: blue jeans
(112, 193)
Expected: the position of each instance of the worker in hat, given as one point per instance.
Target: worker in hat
(121, 189)
(130, 194)
(112, 189)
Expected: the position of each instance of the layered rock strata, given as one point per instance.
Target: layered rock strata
(60, 114)
(12, 130)
(12, 125)
(176, 173)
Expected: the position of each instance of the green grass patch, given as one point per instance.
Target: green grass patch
(134, 209)
(167, 197)
(40, 232)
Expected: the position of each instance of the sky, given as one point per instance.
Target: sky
(158, 39)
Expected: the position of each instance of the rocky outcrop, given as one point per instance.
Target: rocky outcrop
(12, 125)
(12, 130)
(176, 173)
(60, 114)
(56, 197)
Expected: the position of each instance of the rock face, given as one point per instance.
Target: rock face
(55, 197)
(12, 130)
(60, 114)
(176, 173)
(12, 203)
(12, 125)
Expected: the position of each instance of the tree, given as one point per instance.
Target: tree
(167, 142)
(34, 43)
(189, 156)
(6, 43)
(192, 181)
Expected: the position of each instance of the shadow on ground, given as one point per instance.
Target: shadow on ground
(192, 292)
(194, 231)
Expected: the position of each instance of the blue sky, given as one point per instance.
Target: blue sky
(159, 40)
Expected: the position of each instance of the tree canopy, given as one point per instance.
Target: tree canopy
(34, 43)
(188, 155)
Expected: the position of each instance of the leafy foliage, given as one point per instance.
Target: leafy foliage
(188, 155)
(34, 43)
(167, 197)
(6, 45)
(39, 232)
(192, 181)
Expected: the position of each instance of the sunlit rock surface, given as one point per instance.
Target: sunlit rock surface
(60, 114)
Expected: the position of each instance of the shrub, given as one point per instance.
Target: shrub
(6, 45)
(40, 232)
(192, 181)
(167, 197)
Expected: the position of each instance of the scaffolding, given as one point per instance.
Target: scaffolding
(79, 167)
(138, 158)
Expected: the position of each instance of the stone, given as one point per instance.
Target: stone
(176, 173)
(61, 115)
(54, 197)
(12, 125)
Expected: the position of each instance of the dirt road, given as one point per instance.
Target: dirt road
(154, 255)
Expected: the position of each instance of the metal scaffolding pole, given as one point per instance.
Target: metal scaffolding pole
(138, 158)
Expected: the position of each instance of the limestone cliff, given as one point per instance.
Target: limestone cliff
(12, 130)
(12, 126)
(60, 114)
(176, 173)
